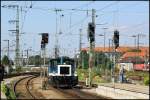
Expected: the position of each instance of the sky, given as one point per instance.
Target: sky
(129, 17)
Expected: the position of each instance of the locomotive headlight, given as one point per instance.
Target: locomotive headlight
(75, 73)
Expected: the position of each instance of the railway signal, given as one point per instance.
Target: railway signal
(91, 38)
(44, 40)
(91, 32)
(116, 38)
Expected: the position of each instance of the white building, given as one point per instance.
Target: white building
(126, 65)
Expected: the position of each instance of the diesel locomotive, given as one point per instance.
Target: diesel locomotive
(61, 72)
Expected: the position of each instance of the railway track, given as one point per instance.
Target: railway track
(75, 93)
(22, 88)
(26, 88)
(20, 74)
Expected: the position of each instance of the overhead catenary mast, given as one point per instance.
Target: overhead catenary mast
(17, 38)
(56, 36)
(17, 50)
(80, 46)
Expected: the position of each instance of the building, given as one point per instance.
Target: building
(139, 59)
(128, 57)
(127, 64)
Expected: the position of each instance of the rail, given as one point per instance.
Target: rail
(27, 85)
(19, 74)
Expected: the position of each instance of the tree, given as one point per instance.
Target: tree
(37, 60)
(101, 60)
(84, 59)
(5, 60)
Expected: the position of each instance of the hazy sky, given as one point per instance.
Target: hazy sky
(129, 17)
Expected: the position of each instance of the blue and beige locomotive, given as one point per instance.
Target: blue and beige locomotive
(61, 72)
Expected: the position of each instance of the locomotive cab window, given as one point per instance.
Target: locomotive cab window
(64, 70)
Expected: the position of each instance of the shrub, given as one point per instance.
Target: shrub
(82, 74)
(146, 80)
(3, 87)
(18, 69)
(7, 91)
(98, 79)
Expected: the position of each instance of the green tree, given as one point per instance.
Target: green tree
(37, 60)
(5, 60)
(84, 59)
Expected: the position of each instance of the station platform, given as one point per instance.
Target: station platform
(128, 87)
(123, 91)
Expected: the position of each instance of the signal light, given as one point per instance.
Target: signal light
(116, 38)
(44, 38)
(91, 32)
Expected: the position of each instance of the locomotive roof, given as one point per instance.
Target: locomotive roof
(64, 58)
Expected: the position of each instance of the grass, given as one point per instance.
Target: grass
(96, 77)
(144, 75)
(137, 73)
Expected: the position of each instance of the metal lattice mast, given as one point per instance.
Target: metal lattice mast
(16, 31)
(80, 40)
(17, 59)
(56, 36)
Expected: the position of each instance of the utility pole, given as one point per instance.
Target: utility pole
(17, 56)
(116, 45)
(7, 48)
(27, 53)
(27, 58)
(134, 40)
(17, 39)
(56, 36)
(114, 63)
(112, 59)
(22, 58)
(109, 51)
(27, 61)
(44, 42)
(109, 45)
(104, 49)
(91, 51)
(80, 40)
(138, 41)
(145, 61)
(8, 54)
(44, 69)
(104, 37)
(80, 44)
